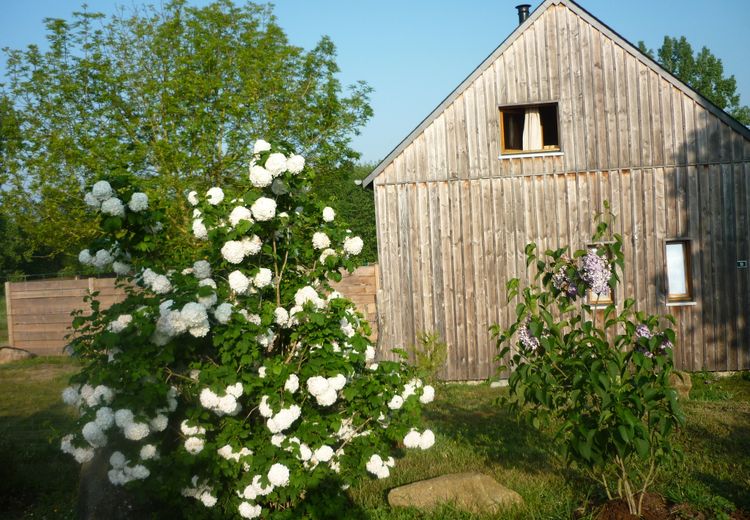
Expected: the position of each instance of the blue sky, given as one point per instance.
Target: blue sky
(415, 52)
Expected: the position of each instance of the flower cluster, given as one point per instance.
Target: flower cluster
(596, 272)
(267, 373)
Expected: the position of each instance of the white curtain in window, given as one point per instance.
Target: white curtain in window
(532, 130)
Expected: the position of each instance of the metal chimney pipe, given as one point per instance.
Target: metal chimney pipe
(523, 12)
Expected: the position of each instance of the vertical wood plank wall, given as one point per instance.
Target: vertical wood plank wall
(39, 311)
(453, 218)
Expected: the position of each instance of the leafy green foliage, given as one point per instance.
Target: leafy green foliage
(430, 355)
(172, 96)
(702, 71)
(599, 376)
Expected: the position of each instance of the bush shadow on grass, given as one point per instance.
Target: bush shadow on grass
(492, 430)
(36, 478)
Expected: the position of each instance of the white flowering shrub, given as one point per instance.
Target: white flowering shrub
(237, 384)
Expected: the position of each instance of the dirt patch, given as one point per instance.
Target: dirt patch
(656, 507)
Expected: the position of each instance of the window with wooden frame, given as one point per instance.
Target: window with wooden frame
(529, 129)
(679, 279)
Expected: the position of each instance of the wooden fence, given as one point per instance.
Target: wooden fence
(39, 312)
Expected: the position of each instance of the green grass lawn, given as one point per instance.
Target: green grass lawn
(473, 433)
(3, 322)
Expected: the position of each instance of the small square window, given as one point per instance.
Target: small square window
(679, 281)
(529, 129)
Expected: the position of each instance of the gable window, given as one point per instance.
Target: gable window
(679, 282)
(529, 129)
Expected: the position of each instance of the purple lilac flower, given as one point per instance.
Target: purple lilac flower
(562, 282)
(596, 273)
(665, 347)
(642, 331)
(527, 339)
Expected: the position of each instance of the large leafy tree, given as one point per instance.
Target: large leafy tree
(702, 71)
(173, 96)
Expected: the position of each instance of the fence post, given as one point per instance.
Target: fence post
(9, 313)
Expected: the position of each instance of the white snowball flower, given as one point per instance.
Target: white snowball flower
(337, 382)
(262, 372)
(202, 269)
(192, 198)
(102, 259)
(123, 417)
(260, 489)
(91, 200)
(292, 383)
(428, 394)
(320, 240)
(412, 439)
(263, 278)
(305, 453)
(427, 439)
(208, 398)
(194, 445)
(207, 499)
(251, 245)
(105, 418)
(278, 475)
(83, 455)
(138, 202)
(248, 510)
(148, 452)
(214, 196)
(85, 257)
(238, 282)
(113, 206)
(327, 398)
(136, 431)
(261, 146)
(223, 313)
(233, 252)
(317, 385)
(263, 209)
(94, 435)
(160, 284)
(325, 254)
(308, 294)
(328, 214)
(117, 460)
(276, 164)
(396, 402)
(260, 177)
(102, 191)
(239, 214)
(235, 389)
(369, 353)
(295, 164)
(159, 423)
(186, 429)
(284, 419)
(70, 396)
(281, 316)
(121, 268)
(264, 408)
(353, 245)
(199, 229)
(323, 454)
(228, 405)
(377, 466)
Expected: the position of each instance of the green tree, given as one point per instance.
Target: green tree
(173, 96)
(702, 71)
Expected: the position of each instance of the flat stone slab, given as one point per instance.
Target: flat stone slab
(472, 492)
(10, 354)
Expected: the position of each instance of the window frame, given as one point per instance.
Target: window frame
(513, 153)
(689, 296)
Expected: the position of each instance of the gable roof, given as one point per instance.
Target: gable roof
(595, 22)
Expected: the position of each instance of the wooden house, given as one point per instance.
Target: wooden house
(562, 116)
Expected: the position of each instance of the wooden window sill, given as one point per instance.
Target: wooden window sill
(555, 153)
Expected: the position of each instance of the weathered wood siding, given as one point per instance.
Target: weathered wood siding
(453, 218)
(39, 312)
